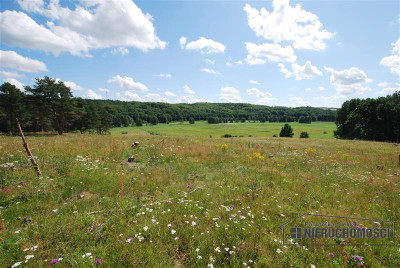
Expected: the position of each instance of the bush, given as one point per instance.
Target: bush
(304, 135)
(274, 136)
(286, 131)
(124, 132)
(191, 120)
(213, 120)
(227, 136)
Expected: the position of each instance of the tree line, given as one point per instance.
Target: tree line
(49, 105)
(370, 119)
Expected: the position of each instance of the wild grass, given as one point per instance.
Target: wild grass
(190, 201)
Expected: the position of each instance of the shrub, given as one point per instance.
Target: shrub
(191, 120)
(274, 136)
(213, 120)
(304, 135)
(124, 132)
(286, 131)
(227, 136)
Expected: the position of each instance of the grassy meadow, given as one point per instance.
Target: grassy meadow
(202, 128)
(190, 201)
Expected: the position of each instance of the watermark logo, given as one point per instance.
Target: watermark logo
(326, 230)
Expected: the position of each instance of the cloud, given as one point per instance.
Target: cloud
(258, 54)
(263, 97)
(393, 61)
(120, 50)
(258, 93)
(169, 94)
(350, 81)
(238, 62)
(383, 84)
(89, 25)
(127, 83)
(90, 94)
(7, 75)
(15, 82)
(254, 82)
(389, 90)
(210, 71)
(153, 97)
(331, 101)
(309, 89)
(188, 90)
(288, 23)
(208, 61)
(204, 45)
(162, 75)
(321, 88)
(103, 89)
(72, 85)
(11, 59)
(189, 99)
(230, 94)
(307, 71)
(182, 42)
(298, 101)
(130, 96)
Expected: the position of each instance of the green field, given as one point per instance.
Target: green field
(191, 201)
(202, 128)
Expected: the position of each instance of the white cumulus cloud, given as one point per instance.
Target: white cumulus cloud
(154, 97)
(127, 83)
(94, 24)
(259, 54)
(187, 90)
(288, 23)
(210, 71)
(230, 94)
(349, 81)
(15, 82)
(204, 45)
(11, 59)
(307, 71)
(169, 94)
(162, 75)
(90, 94)
(393, 61)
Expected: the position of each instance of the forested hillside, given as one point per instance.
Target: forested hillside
(50, 106)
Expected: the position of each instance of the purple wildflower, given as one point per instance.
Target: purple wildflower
(26, 218)
(358, 258)
(231, 206)
(54, 261)
(189, 186)
(98, 261)
(331, 254)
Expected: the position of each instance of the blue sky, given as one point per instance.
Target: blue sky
(289, 53)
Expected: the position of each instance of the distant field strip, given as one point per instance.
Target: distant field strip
(320, 130)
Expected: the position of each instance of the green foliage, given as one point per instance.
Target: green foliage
(11, 99)
(370, 119)
(213, 120)
(286, 131)
(304, 135)
(305, 119)
(153, 120)
(191, 120)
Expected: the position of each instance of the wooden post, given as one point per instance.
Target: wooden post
(28, 151)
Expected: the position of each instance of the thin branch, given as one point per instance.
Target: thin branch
(28, 151)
